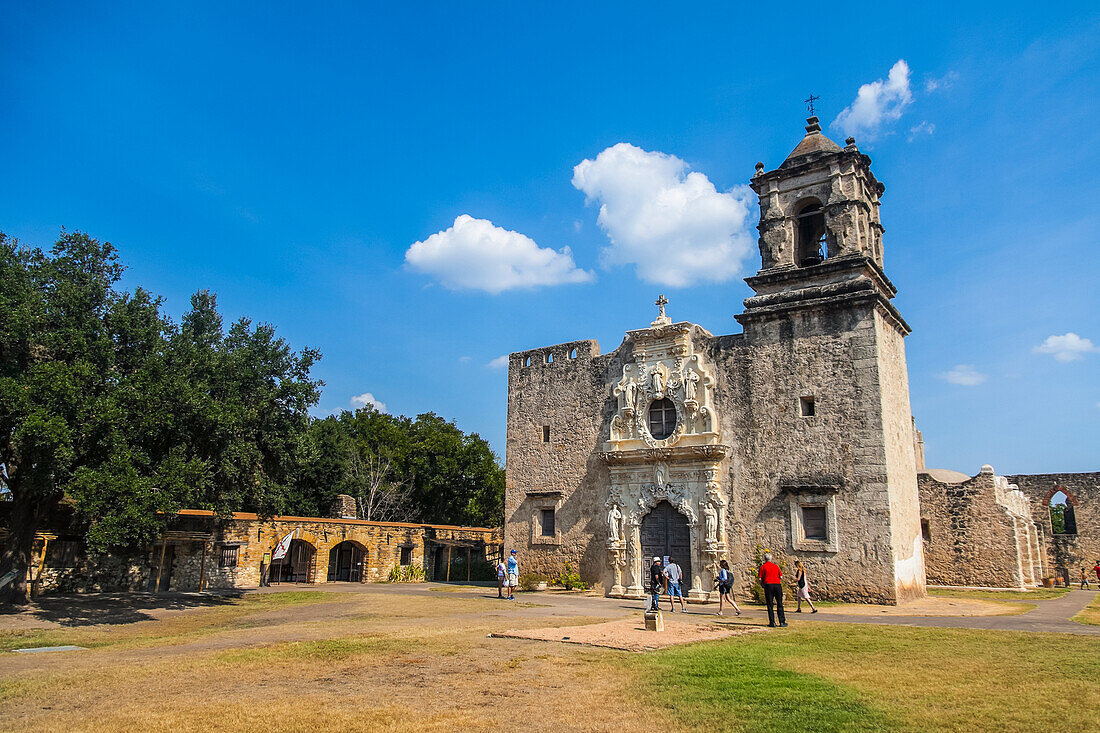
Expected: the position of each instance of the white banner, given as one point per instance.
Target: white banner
(282, 547)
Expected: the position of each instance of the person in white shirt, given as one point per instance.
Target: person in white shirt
(502, 574)
(675, 575)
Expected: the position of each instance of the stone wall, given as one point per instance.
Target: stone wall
(980, 532)
(195, 541)
(1069, 552)
(562, 388)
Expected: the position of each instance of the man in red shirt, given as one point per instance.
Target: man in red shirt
(771, 577)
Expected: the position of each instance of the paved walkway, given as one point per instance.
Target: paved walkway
(1050, 615)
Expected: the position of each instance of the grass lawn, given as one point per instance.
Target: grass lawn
(387, 660)
(827, 677)
(1090, 614)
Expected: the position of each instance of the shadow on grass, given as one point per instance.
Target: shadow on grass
(115, 608)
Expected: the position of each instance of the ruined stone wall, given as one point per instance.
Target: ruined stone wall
(831, 355)
(1071, 552)
(973, 538)
(571, 397)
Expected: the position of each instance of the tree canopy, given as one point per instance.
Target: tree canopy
(107, 404)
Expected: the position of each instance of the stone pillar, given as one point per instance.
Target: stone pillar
(635, 564)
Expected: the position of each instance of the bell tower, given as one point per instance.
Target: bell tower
(821, 203)
(827, 374)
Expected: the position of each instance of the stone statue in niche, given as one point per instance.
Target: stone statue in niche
(658, 381)
(691, 382)
(614, 524)
(630, 394)
(710, 519)
(660, 474)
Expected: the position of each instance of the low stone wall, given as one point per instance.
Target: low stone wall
(979, 532)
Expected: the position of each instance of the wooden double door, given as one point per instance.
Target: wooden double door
(665, 532)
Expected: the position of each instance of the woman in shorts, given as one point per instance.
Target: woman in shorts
(725, 588)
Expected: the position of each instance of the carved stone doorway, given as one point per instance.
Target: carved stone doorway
(665, 531)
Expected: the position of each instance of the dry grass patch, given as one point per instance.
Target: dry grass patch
(1038, 594)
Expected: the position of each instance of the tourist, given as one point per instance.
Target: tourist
(502, 575)
(1096, 569)
(657, 582)
(771, 577)
(803, 588)
(1084, 579)
(725, 587)
(513, 575)
(675, 578)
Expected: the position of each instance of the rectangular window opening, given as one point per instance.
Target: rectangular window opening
(545, 433)
(228, 557)
(406, 555)
(813, 523)
(925, 532)
(546, 519)
(806, 406)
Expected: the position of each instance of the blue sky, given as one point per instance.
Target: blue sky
(288, 158)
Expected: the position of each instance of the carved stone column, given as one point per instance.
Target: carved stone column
(634, 562)
(616, 557)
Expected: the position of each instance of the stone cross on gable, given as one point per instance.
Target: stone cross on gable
(662, 319)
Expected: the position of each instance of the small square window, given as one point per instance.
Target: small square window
(228, 557)
(546, 521)
(406, 555)
(545, 433)
(813, 523)
(806, 406)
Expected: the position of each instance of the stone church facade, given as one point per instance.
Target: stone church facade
(795, 435)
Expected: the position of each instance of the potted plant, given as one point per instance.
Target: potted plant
(1048, 582)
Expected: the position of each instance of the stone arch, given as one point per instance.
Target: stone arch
(300, 563)
(1064, 520)
(811, 231)
(347, 562)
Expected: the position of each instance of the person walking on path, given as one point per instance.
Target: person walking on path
(803, 588)
(1085, 580)
(1096, 569)
(502, 575)
(725, 587)
(513, 575)
(657, 583)
(771, 578)
(675, 577)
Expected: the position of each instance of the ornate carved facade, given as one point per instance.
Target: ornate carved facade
(795, 435)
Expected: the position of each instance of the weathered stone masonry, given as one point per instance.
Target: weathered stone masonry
(795, 435)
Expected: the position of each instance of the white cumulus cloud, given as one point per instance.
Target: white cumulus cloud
(501, 362)
(877, 103)
(476, 255)
(665, 219)
(963, 374)
(1067, 347)
(368, 400)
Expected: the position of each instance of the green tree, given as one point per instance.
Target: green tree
(105, 401)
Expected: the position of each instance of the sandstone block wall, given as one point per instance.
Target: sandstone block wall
(189, 558)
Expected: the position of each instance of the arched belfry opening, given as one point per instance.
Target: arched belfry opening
(809, 224)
